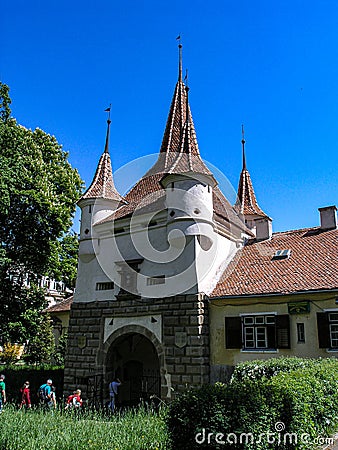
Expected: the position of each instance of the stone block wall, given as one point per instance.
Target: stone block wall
(183, 349)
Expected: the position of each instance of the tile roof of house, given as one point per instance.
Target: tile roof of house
(62, 306)
(103, 185)
(312, 265)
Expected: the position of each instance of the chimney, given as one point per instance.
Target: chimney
(263, 228)
(328, 217)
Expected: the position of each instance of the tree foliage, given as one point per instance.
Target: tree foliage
(5, 101)
(63, 259)
(60, 350)
(38, 193)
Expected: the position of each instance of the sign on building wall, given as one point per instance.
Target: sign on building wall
(299, 307)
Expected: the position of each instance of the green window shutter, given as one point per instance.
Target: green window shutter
(323, 330)
(271, 331)
(233, 332)
(283, 331)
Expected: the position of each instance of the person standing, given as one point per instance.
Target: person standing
(113, 391)
(2, 392)
(44, 393)
(25, 396)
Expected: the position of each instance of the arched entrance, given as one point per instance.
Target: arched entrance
(133, 358)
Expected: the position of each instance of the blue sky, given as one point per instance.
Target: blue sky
(270, 65)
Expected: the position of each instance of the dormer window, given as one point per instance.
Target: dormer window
(282, 254)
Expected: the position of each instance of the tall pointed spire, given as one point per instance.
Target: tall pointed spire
(179, 109)
(243, 149)
(179, 150)
(103, 185)
(106, 148)
(246, 198)
(180, 61)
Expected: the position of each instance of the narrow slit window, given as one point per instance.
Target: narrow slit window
(300, 332)
(105, 286)
(153, 281)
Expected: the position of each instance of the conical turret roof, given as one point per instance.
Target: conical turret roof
(246, 198)
(103, 185)
(179, 151)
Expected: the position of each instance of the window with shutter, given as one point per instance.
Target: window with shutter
(258, 332)
(327, 327)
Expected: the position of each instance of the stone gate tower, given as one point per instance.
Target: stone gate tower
(146, 265)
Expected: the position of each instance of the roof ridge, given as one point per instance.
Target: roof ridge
(297, 230)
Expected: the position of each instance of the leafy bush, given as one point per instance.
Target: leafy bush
(255, 370)
(302, 401)
(198, 416)
(11, 353)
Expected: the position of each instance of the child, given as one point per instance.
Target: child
(74, 400)
(25, 396)
(52, 403)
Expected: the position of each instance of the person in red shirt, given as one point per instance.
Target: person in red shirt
(74, 401)
(25, 396)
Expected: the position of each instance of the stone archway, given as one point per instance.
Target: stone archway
(133, 354)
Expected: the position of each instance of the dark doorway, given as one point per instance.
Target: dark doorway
(133, 358)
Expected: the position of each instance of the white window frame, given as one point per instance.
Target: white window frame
(333, 323)
(252, 324)
(300, 332)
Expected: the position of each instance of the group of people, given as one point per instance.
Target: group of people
(47, 395)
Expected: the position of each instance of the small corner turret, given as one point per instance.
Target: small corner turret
(254, 217)
(100, 200)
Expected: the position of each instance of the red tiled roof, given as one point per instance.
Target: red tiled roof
(148, 195)
(62, 306)
(179, 154)
(246, 198)
(179, 151)
(312, 265)
(103, 185)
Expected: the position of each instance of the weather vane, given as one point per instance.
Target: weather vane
(108, 111)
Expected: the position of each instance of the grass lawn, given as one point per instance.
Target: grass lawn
(57, 430)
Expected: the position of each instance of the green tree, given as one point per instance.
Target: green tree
(38, 193)
(41, 346)
(61, 349)
(63, 259)
(5, 101)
